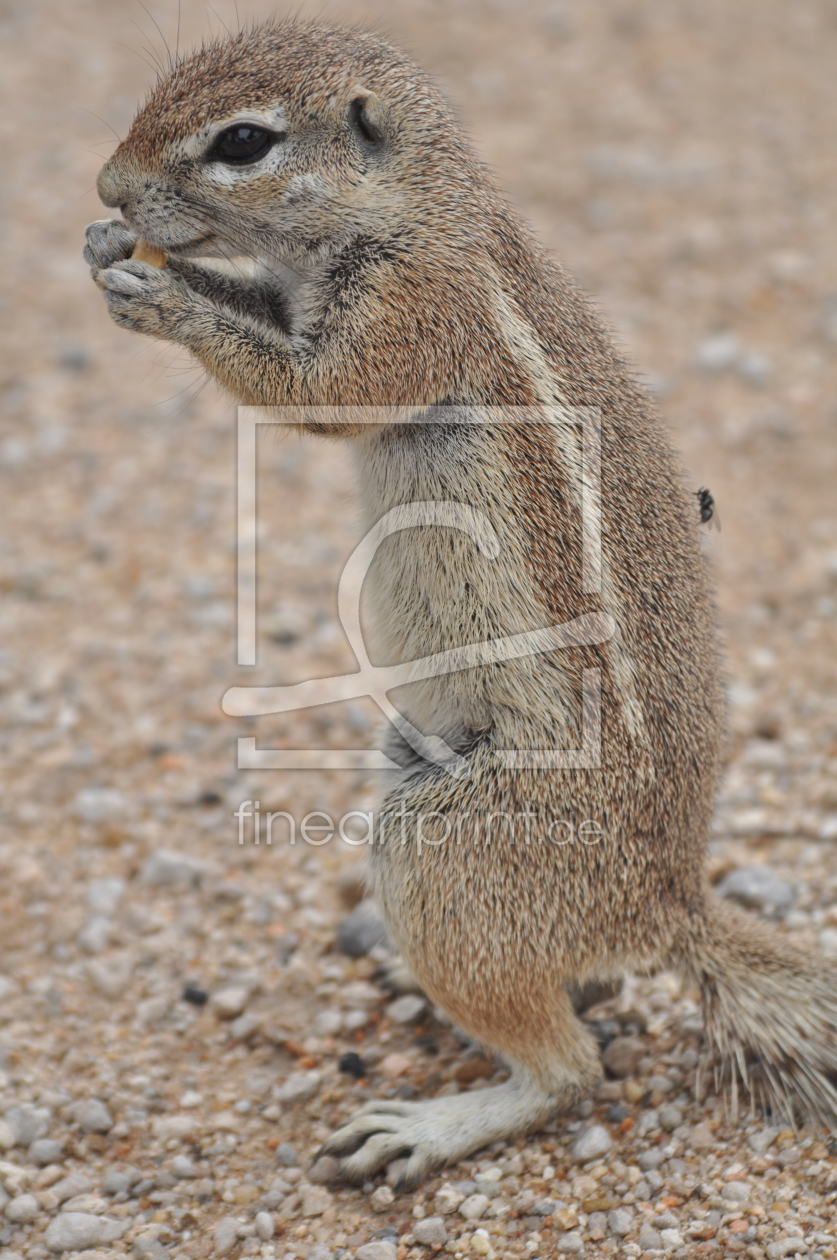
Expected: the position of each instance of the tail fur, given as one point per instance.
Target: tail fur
(770, 1011)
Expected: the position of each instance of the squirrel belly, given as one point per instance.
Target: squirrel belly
(386, 271)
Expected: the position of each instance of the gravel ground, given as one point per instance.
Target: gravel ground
(174, 1006)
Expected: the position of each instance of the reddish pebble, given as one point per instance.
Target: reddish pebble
(395, 1065)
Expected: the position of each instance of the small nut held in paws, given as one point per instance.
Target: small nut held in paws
(144, 251)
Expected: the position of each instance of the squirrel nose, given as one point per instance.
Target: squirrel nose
(110, 187)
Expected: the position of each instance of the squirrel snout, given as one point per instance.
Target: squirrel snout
(111, 186)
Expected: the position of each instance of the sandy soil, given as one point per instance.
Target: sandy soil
(680, 159)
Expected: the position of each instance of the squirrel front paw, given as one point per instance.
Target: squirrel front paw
(146, 299)
(108, 241)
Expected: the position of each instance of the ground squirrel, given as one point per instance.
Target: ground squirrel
(388, 270)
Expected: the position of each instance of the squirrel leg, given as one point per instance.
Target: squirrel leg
(439, 1131)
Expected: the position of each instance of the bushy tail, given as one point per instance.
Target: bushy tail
(770, 1010)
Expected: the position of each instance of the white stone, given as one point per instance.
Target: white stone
(178, 1127)
(167, 866)
(571, 1244)
(592, 1142)
(28, 1123)
(735, 1191)
(481, 1244)
(406, 1009)
(381, 1199)
(23, 1209)
(225, 1235)
(447, 1199)
(95, 1117)
(264, 1226)
(328, 1023)
(473, 1208)
(229, 1002)
(299, 1087)
(430, 1232)
(717, 352)
(183, 1167)
(760, 1141)
(378, 1250)
(100, 805)
(786, 1247)
(316, 1200)
(69, 1187)
(77, 1231)
(104, 895)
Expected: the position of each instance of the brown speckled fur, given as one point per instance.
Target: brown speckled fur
(396, 274)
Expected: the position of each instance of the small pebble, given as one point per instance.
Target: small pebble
(324, 1171)
(430, 1232)
(46, 1151)
(100, 805)
(447, 1199)
(571, 1244)
(702, 1137)
(299, 1087)
(651, 1159)
(316, 1200)
(352, 1064)
(786, 1247)
(194, 995)
(225, 1236)
(406, 1009)
(622, 1055)
(757, 888)
(361, 931)
(27, 1123)
(229, 1002)
(76, 1231)
(590, 1143)
(23, 1209)
(183, 1167)
(167, 867)
(264, 1226)
(147, 1247)
(115, 1181)
(473, 1208)
(620, 1221)
(104, 895)
(670, 1118)
(381, 1249)
(95, 1117)
(395, 1065)
(286, 1155)
(649, 1239)
(760, 1141)
(328, 1023)
(381, 1199)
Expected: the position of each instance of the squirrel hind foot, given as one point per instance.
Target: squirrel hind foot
(440, 1131)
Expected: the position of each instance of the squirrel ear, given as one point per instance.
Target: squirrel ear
(364, 112)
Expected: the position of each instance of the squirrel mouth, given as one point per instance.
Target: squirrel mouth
(189, 247)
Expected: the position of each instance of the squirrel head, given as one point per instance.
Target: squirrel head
(285, 142)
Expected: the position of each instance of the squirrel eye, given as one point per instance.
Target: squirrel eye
(241, 144)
